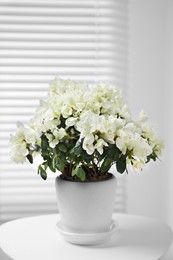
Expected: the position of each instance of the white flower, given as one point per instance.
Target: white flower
(138, 164)
(44, 119)
(130, 140)
(18, 145)
(147, 131)
(71, 121)
(19, 152)
(60, 133)
(125, 113)
(125, 139)
(66, 111)
(104, 99)
(99, 145)
(141, 148)
(55, 137)
(31, 136)
(60, 86)
(157, 145)
(122, 144)
(88, 144)
(94, 116)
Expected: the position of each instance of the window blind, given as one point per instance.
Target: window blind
(81, 40)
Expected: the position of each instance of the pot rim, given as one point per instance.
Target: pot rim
(111, 176)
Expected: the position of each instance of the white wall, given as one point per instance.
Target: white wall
(168, 113)
(150, 192)
(169, 104)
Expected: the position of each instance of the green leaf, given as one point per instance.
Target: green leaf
(51, 164)
(30, 158)
(63, 156)
(45, 165)
(79, 172)
(62, 148)
(121, 164)
(44, 146)
(152, 156)
(72, 157)
(78, 150)
(42, 172)
(113, 152)
(82, 174)
(54, 161)
(62, 119)
(99, 156)
(70, 144)
(71, 150)
(74, 171)
(106, 165)
(59, 165)
(86, 157)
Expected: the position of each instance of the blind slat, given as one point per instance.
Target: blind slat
(61, 46)
(87, 30)
(69, 3)
(81, 21)
(56, 57)
(53, 63)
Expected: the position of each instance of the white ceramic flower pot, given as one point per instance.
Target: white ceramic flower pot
(86, 207)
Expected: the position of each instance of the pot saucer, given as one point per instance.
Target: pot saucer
(85, 238)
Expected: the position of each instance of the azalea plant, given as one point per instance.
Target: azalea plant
(82, 131)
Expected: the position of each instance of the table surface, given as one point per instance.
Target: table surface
(37, 238)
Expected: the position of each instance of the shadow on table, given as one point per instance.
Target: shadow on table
(138, 238)
(168, 255)
(4, 256)
(144, 237)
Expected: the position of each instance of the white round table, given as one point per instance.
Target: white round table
(137, 238)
